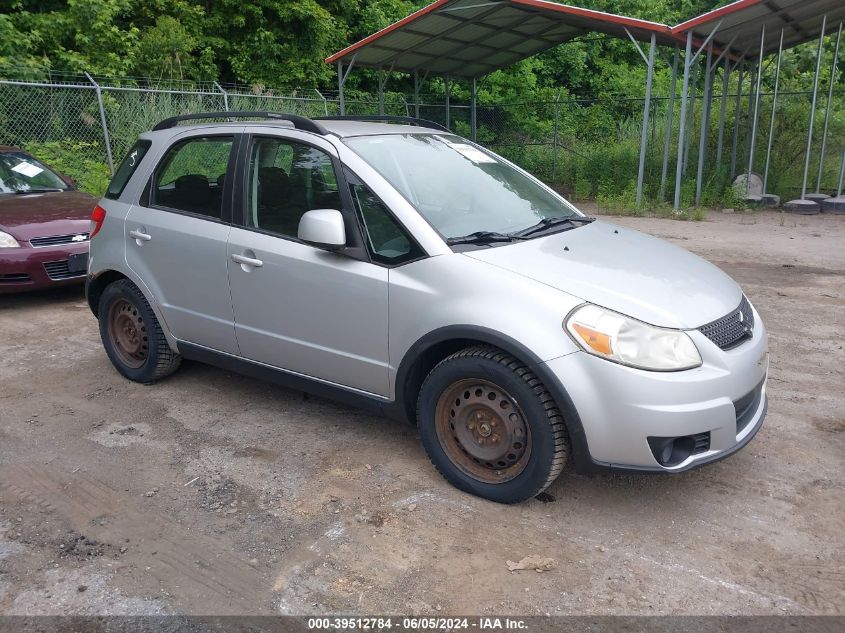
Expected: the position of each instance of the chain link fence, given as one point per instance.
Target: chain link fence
(587, 148)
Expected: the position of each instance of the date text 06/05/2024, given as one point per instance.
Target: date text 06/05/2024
(416, 624)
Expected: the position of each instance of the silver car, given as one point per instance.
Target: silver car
(396, 266)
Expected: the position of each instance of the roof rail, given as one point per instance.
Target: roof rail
(387, 118)
(299, 122)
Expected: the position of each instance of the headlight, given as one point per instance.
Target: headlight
(7, 241)
(624, 340)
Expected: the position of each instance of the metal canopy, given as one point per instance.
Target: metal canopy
(472, 38)
(742, 21)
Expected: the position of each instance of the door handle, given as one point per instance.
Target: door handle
(140, 236)
(243, 260)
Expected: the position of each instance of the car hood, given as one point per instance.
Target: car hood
(623, 270)
(45, 214)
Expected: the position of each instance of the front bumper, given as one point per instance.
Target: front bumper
(721, 404)
(28, 268)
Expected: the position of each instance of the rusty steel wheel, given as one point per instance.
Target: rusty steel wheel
(128, 333)
(490, 426)
(483, 430)
(131, 334)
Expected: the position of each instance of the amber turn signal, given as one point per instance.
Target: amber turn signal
(598, 341)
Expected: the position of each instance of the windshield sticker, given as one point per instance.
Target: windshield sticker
(27, 169)
(470, 152)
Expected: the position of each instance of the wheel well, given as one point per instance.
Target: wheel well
(410, 388)
(427, 352)
(97, 285)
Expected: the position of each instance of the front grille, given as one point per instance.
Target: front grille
(10, 277)
(747, 406)
(731, 330)
(55, 240)
(59, 270)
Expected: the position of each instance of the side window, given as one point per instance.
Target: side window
(126, 169)
(190, 176)
(286, 179)
(387, 241)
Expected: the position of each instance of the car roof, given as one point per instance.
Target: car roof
(341, 128)
(344, 128)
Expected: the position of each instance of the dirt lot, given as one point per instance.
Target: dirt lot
(211, 493)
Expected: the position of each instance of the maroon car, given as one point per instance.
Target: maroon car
(44, 223)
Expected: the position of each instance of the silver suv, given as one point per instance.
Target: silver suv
(396, 266)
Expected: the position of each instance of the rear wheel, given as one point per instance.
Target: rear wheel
(132, 336)
(490, 426)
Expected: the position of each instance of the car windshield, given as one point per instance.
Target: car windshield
(20, 172)
(460, 189)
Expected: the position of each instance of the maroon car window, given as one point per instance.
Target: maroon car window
(126, 169)
(190, 177)
(21, 173)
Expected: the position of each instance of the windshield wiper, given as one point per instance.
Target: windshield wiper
(23, 192)
(551, 223)
(482, 237)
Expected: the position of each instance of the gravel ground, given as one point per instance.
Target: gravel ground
(210, 493)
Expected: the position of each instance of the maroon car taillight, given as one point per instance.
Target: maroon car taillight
(98, 216)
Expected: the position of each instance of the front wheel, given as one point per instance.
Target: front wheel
(490, 426)
(132, 336)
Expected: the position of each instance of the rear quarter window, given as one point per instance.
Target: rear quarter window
(126, 169)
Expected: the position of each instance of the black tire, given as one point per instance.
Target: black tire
(547, 438)
(155, 359)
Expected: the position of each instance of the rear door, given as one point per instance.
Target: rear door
(176, 239)
(301, 308)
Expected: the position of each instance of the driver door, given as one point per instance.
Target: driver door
(298, 307)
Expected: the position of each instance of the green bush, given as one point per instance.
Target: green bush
(80, 160)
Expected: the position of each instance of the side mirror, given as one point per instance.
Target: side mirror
(323, 228)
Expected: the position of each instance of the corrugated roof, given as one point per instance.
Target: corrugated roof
(470, 38)
(741, 23)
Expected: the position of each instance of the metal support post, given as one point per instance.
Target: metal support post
(670, 115)
(225, 96)
(813, 109)
(772, 122)
(689, 59)
(381, 82)
(726, 73)
(341, 81)
(448, 107)
(705, 123)
(323, 99)
(679, 168)
(751, 91)
(723, 108)
(737, 116)
(756, 118)
(472, 114)
(841, 177)
(103, 123)
(827, 111)
(417, 94)
(646, 112)
(691, 122)
(554, 138)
